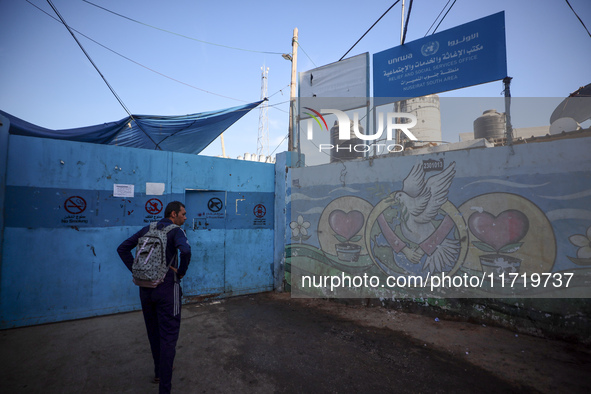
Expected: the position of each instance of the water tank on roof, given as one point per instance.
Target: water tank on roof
(427, 111)
(490, 125)
(345, 149)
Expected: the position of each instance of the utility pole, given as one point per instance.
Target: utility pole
(292, 90)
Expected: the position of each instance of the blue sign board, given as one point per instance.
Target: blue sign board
(466, 55)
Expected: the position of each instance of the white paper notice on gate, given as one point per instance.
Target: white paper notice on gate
(154, 189)
(121, 190)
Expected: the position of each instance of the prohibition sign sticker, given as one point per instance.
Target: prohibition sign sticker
(75, 205)
(259, 211)
(154, 206)
(215, 204)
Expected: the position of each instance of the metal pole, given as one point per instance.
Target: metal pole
(398, 104)
(223, 146)
(508, 126)
(292, 90)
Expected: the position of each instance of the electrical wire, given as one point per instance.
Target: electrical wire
(62, 21)
(278, 109)
(300, 46)
(283, 102)
(274, 106)
(571, 7)
(286, 135)
(101, 74)
(435, 21)
(137, 63)
(280, 90)
(159, 73)
(406, 23)
(181, 35)
(364, 34)
(448, 10)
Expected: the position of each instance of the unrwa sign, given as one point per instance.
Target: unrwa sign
(466, 55)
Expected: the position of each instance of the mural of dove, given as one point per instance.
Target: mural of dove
(420, 201)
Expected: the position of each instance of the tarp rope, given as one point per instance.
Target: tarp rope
(101, 74)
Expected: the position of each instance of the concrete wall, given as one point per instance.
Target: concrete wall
(522, 210)
(61, 223)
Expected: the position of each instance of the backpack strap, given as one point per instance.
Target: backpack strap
(170, 227)
(166, 230)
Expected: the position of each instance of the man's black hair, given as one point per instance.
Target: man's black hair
(174, 206)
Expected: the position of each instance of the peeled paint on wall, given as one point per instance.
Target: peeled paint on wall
(477, 224)
(67, 205)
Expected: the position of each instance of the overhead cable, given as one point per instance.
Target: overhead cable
(180, 35)
(274, 106)
(99, 71)
(286, 135)
(300, 46)
(280, 90)
(435, 21)
(375, 23)
(448, 10)
(571, 7)
(137, 63)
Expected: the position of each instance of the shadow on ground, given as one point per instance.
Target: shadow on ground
(270, 343)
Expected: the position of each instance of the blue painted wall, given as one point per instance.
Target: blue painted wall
(62, 225)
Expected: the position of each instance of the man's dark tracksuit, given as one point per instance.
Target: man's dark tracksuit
(162, 305)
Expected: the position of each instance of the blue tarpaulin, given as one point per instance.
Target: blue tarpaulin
(185, 133)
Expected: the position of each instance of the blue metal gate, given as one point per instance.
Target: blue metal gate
(231, 237)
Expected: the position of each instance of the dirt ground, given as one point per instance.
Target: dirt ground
(271, 343)
(531, 362)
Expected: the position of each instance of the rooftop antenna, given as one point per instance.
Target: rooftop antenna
(263, 136)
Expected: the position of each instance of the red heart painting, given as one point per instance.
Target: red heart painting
(346, 224)
(507, 228)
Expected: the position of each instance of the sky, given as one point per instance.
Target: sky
(214, 59)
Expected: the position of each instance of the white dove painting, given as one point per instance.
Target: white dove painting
(419, 204)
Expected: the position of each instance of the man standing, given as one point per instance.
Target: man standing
(162, 305)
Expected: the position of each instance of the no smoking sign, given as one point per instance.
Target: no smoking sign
(75, 205)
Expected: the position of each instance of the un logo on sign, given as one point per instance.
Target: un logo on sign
(430, 48)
